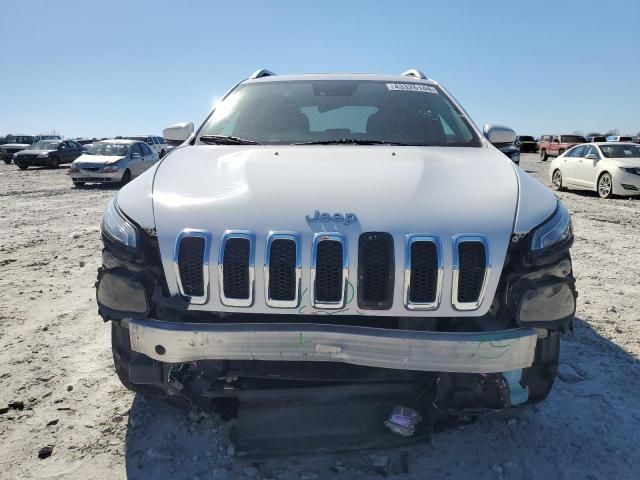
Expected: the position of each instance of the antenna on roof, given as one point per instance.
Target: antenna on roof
(412, 72)
(263, 72)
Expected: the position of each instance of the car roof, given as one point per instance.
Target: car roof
(341, 76)
(119, 140)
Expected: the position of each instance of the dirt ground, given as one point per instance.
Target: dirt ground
(58, 388)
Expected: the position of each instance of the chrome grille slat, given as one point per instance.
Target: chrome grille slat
(423, 273)
(471, 268)
(196, 294)
(329, 270)
(282, 270)
(236, 268)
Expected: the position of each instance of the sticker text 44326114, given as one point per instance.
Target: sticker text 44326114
(412, 87)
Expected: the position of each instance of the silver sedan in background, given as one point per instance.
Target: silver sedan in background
(112, 161)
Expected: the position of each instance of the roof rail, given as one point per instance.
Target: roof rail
(412, 72)
(263, 72)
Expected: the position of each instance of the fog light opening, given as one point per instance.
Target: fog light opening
(160, 350)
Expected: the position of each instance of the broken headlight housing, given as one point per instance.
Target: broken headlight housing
(118, 229)
(555, 230)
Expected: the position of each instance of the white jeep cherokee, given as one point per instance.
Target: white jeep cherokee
(325, 231)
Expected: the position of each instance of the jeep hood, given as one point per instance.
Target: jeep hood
(400, 190)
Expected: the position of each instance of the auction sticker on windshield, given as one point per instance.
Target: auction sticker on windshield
(411, 87)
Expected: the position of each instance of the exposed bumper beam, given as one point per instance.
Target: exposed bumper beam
(482, 352)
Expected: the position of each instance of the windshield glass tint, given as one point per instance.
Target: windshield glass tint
(44, 145)
(327, 110)
(621, 151)
(114, 149)
(572, 139)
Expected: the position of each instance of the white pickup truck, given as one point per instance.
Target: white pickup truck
(326, 231)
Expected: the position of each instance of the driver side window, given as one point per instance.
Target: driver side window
(578, 152)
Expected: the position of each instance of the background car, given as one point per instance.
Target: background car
(558, 144)
(48, 153)
(15, 143)
(155, 143)
(611, 168)
(112, 161)
(526, 143)
(619, 138)
(596, 138)
(512, 152)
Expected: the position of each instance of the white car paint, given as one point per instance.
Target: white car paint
(581, 173)
(441, 191)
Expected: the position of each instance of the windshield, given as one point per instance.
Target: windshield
(621, 151)
(44, 145)
(20, 139)
(310, 111)
(109, 148)
(572, 139)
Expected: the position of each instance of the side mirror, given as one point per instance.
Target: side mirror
(178, 133)
(591, 156)
(498, 134)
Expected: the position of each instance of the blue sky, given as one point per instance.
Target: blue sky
(98, 68)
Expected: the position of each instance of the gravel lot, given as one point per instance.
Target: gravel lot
(58, 387)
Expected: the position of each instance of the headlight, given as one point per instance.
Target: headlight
(117, 228)
(554, 230)
(111, 168)
(633, 170)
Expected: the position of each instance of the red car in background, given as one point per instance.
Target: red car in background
(555, 145)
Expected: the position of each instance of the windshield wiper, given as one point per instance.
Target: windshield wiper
(350, 141)
(226, 140)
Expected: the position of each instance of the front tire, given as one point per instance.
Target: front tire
(162, 153)
(543, 155)
(23, 167)
(7, 161)
(605, 185)
(126, 177)
(556, 181)
(78, 184)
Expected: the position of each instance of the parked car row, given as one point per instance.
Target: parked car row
(104, 161)
(17, 143)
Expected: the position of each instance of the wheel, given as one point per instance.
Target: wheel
(543, 155)
(54, 162)
(162, 153)
(605, 186)
(126, 177)
(556, 181)
(7, 161)
(23, 167)
(78, 184)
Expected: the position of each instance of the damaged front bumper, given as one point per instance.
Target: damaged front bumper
(454, 352)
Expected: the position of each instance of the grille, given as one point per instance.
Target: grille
(424, 272)
(282, 270)
(472, 265)
(328, 281)
(375, 271)
(190, 265)
(236, 268)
